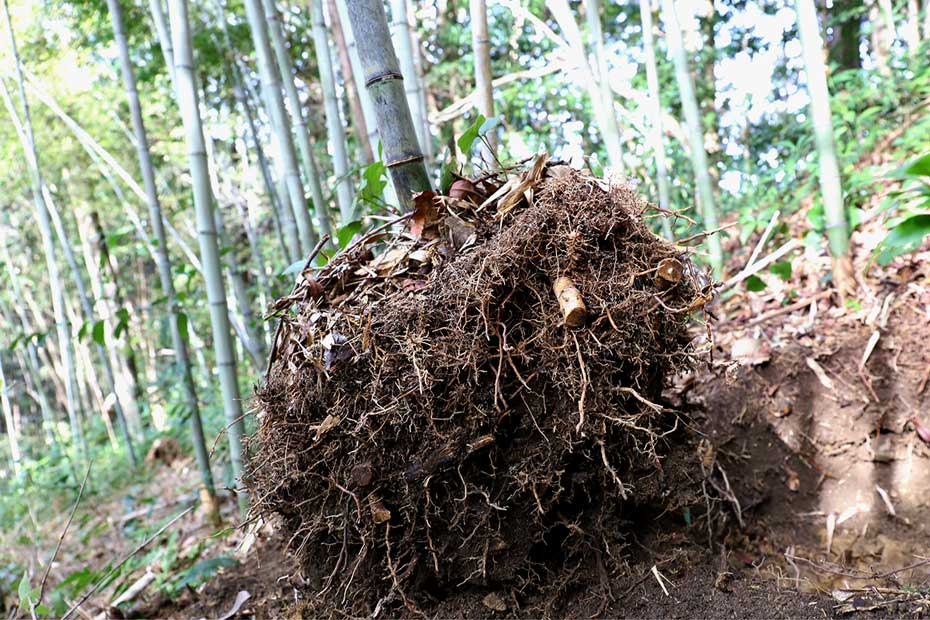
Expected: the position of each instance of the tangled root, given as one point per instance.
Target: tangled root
(430, 421)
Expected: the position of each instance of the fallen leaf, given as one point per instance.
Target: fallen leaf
(330, 422)
(241, 598)
(495, 602)
(793, 482)
(825, 381)
(922, 431)
(749, 351)
(425, 213)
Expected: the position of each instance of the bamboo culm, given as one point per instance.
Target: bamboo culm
(188, 103)
(699, 163)
(160, 254)
(288, 171)
(334, 128)
(655, 100)
(62, 325)
(402, 154)
(830, 184)
(481, 46)
(310, 165)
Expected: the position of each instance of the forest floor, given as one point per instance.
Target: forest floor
(806, 423)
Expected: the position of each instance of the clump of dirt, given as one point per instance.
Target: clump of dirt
(431, 418)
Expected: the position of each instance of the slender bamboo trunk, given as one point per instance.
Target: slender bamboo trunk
(281, 130)
(610, 134)
(87, 308)
(481, 45)
(403, 43)
(348, 82)
(655, 101)
(368, 108)
(189, 104)
(58, 301)
(334, 128)
(691, 111)
(596, 36)
(32, 357)
(926, 23)
(385, 85)
(12, 432)
(912, 27)
(285, 65)
(426, 134)
(831, 187)
(279, 211)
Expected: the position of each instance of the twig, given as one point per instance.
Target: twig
(764, 238)
(754, 268)
(61, 537)
(277, 332)
(803, 303)
(706, 233)
(113, 570)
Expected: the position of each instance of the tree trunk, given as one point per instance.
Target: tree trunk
(189, 104)
(32, 357)
(655, 101)
(287, 159)
(384, 81)
(12, 432)
(334, 128)
(692, 115)
(286, 68)
(87, 308)
(359, 120)
(403, 43)
(596, 35)
(603, 116)
(830, 185)
(847, 35)
(484, 90)
(45, 228)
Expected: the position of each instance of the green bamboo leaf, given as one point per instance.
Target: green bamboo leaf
(920, 167)
(905, 237)
(99, 333)
(754, 284)
(782, 270)
(467, 139)
(345, 234)
(182, 325)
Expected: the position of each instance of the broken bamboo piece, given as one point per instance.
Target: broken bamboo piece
(574, 311)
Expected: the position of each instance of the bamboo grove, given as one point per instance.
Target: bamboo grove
(169, 167)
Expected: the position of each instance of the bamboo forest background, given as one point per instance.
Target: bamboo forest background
(91, 279)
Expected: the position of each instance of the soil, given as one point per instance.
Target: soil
(793, 451)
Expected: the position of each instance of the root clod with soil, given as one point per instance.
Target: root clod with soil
(480, 404)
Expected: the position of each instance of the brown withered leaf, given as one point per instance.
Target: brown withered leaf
(425, 213)
(922, 431)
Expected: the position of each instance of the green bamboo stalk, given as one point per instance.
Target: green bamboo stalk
(596, 36)
(334, 128)
(32, 356)
(12, 433)
(63, 327)
(384, 82)
(357, 114)
(830, 185)
(400, 24)
(604, 116)
(655, 101)
(311, 167)
(189, 105)
(274, 104)
(484, 89)
(368, 106)
(691, 111)
(161, 256)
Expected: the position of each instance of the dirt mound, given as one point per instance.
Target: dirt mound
(440, 415)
